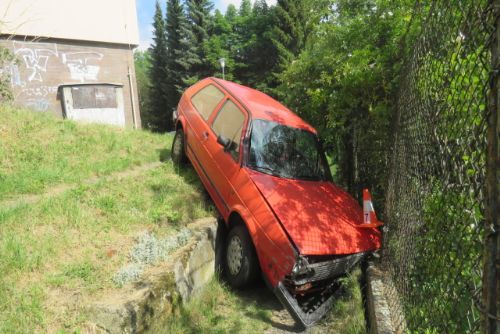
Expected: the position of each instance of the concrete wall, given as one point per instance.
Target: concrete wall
(112, 21)
(42, 66)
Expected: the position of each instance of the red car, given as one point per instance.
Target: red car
(265, 170)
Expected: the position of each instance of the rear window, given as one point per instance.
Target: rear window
(206, 100)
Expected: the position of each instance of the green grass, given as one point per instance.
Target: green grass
(40, 150)
(219, 310)
(77, 241)
(63, 250)
(347, 316)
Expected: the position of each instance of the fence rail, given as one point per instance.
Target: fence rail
(441, 244)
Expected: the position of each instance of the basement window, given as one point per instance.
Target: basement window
(94, 97)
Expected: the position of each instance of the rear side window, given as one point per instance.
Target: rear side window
(229, 123)
(206, 100)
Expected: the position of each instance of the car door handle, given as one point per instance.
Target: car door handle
(205, 136)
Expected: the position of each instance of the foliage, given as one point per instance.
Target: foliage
(6, 57)
(452, 249)
(158, 119)
(176, 62)
(200, 25)
(142, 62)
(289, 30)
(344, 84)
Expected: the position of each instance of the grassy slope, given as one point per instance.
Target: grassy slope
(38, 150)
(57, 254)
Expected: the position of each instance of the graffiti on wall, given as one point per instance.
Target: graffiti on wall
(29, 75)
(35, 57)
(37, 104)
(82, 65)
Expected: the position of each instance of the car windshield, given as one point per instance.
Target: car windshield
(287, 152)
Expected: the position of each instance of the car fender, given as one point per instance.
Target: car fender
(181, 122)
(275, 261)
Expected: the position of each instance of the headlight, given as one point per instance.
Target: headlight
(301, 266)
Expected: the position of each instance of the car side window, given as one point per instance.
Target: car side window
(206, 100)
(229, 123)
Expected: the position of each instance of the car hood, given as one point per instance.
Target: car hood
(319, 217)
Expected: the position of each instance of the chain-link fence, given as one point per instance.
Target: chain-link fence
(436, 196)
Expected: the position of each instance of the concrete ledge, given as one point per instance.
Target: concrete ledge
(141, 305)
(384, 309)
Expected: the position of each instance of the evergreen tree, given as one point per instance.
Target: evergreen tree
(290, 31)
(200, 24)
(261, 53)
(245, 8)
(176, 66)
(231, 13)
(158, 73)
(142, 63)
(242, 41)
(220, 45)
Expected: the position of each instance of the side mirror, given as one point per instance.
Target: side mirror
(226, 143)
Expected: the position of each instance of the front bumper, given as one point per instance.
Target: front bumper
(310, 295)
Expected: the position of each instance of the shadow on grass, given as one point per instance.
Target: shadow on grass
(188, 174)
(266, 302)
(164, 154)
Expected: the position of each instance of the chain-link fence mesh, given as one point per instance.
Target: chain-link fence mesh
(435, 200)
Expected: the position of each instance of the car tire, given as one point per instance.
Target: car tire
(241, 267)
(178, 152)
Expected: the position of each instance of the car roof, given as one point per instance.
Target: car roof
(262, 106)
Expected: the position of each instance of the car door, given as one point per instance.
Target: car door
(230, 121)
(198, 114)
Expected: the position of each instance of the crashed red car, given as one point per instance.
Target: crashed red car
(265, 170)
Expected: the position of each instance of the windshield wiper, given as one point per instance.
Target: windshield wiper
(265, 169)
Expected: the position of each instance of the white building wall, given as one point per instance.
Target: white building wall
(111, 21)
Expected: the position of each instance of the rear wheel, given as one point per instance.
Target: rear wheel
(178, 152)
(241, 264)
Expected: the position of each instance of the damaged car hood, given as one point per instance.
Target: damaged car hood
(319, 217)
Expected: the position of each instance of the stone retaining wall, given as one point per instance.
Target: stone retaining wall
(138, 306)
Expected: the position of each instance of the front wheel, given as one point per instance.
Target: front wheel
(178, 152)
(241, 263)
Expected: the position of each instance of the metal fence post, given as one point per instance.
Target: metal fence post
(491, 279)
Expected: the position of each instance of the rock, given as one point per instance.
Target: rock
(138, 306)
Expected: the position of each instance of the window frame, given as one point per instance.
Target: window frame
(237, 158)
(216, 106)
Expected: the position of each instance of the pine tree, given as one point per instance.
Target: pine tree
(158, 73)
(200, 22)
(261, 54)
(290, 31)
(245, 8)
(176, 66)
(231, 13)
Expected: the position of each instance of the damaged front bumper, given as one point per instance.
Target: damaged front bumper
(309, 291)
